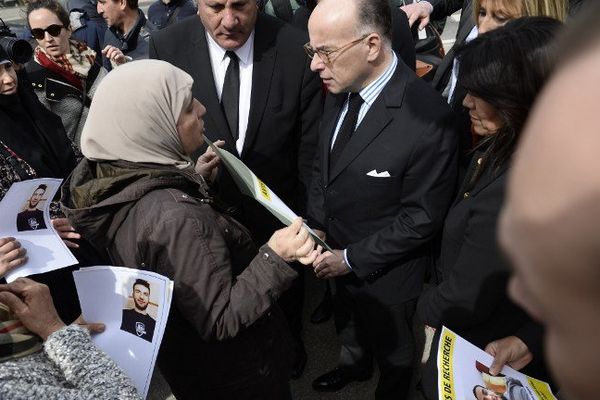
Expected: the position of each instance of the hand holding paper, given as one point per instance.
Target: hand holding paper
(331, 264)
(294, 243)
(208, 163)
(12, 254)
(67, 233)
(250, 185)
(509, 350)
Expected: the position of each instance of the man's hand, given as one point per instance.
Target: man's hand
(509, 350)
(32, 304)
(331, 264)
(294, 243)
(208, 163)
(12, 255)
(66, 232)
(418, 11)
(114, 54)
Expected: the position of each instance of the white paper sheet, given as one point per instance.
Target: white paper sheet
(464, 368)
(106, 295)
(25, 215)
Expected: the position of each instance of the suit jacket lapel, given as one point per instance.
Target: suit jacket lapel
(467, 26)
(198, 59)
(376, 119)
(262, 72)
(445, 67)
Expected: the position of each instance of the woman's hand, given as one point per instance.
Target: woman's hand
(114, 54)
(12, 255)
(208, 163)
(32, 304)
(294, 243)
(509, 350)
(66, 232)
(92, 327)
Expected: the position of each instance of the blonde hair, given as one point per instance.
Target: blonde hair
(556, 9)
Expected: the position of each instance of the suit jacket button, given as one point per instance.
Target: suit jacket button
(466, 195)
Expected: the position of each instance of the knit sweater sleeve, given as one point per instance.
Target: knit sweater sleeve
(91, 373)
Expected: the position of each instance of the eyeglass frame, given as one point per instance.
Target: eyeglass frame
(46, 29)
(324, 55)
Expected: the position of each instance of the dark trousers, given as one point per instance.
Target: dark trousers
(291, 303)
(367, 330)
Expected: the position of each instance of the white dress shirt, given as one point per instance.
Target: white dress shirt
(456, 64)
(219, 62)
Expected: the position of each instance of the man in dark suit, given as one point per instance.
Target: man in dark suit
(382, 183)
(253, 77)
(438, 9)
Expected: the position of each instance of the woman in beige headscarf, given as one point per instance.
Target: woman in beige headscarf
(137, 197)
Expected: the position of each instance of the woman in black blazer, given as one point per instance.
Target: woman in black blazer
(502, 71)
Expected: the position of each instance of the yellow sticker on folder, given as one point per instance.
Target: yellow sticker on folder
(264, 190)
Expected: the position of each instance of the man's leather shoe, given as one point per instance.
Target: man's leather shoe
(338, 378)
(299, 363)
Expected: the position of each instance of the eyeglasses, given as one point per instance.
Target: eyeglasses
(53, 30)
(325, 55)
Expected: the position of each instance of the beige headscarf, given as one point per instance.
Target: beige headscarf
(134, 114)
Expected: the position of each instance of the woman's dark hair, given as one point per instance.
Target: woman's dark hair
(52, 6)
(507, 68)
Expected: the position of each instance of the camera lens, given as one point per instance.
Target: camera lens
(18, 50)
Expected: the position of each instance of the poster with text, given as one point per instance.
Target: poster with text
(134, 305)
(25, 211)
(463, 374)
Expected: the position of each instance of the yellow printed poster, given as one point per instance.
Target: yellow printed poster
(463, 374)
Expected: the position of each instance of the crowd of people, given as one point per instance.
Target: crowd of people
(444, 203)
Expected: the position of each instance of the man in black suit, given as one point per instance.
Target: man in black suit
(382, 183)
(253, 77)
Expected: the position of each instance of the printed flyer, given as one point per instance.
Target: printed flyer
(463, 374)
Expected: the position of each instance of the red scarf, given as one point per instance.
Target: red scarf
(63, 65)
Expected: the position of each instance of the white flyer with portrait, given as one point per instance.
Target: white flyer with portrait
(25, 211)
(463, 374)
(134, 305)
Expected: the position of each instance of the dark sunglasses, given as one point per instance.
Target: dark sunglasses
(53, 30)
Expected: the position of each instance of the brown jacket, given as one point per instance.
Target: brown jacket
(223, 329)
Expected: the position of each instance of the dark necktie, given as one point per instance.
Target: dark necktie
(347, 128)
(230, 97)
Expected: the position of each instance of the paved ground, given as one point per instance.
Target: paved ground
(320, 340)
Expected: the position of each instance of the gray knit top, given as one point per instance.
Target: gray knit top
(69, 367)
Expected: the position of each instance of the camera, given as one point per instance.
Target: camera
(18, 50)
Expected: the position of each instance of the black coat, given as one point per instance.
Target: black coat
(286, 103)
(387, 224)
(442, 8)
(471, 298)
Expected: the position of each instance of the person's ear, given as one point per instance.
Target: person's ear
(375, 43)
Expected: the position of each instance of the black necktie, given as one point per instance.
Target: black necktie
(230, 97)
(347, 128)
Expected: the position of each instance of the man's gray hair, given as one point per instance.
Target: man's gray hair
(375, 16)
